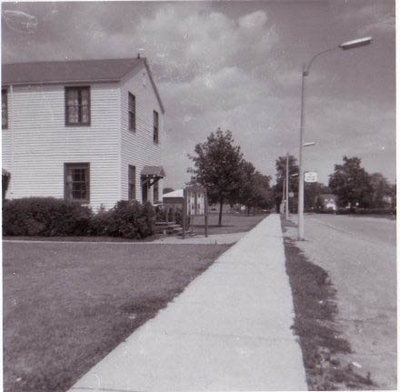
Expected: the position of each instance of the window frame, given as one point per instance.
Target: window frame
(74, 165)
(131, 181)
(156, 127)
(66, 107)
(4, 96)
(131, 112)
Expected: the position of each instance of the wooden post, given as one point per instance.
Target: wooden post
(174, 213)
(184, 213)
(166, 212)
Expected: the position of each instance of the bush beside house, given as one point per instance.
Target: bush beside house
(50, 217)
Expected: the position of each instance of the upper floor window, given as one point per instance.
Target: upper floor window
(131, 182)
(132, 112)
(155, 126)
(77, 105)
(77, 182)
(4, 109)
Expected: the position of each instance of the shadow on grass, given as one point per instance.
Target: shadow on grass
(320, 341)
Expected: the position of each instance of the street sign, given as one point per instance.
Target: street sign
(310, 177)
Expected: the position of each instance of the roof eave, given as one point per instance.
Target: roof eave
(154, 86)
(60, 82)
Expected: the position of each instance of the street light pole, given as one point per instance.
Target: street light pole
(287, 186)
(306, 69)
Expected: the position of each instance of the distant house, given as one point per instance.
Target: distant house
(326, 202)
(89, 131)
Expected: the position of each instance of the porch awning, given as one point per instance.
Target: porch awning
(153, 171)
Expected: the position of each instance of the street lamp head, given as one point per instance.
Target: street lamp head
(309, 144)
(356, 43)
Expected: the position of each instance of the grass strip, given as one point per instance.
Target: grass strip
(315, 309)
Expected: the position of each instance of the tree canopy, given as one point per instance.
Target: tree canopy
(218, 167)
(351, 183)
(280, 165)
(255, 189)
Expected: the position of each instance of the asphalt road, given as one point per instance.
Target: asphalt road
(359, 253)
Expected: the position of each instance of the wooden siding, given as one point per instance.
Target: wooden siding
(37, 143)
(138, 148)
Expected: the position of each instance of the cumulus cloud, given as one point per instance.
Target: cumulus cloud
(236, 66)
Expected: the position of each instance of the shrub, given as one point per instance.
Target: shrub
(366, 211)
(49, 217)
(37, 216)
(127, 219)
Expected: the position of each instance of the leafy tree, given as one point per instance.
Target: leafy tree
(218, 167)
(380, 190)
(255, 189)
(350, 182)
(280, 165)
(311, 191)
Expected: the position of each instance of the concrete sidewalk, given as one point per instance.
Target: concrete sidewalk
(229, 330)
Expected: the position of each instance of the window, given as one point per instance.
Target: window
(131, 182)
(4, 109)
(132, 112)
(77, 182)
(77, 105)
(155, 126)
(155, 192)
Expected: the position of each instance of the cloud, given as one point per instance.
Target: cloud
(255, 20)
(238, 67)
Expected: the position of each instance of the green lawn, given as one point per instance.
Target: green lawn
(231, 223)
(66, 306)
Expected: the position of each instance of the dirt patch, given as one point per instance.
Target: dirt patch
(321, 343)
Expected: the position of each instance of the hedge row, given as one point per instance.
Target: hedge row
(49, 217)
(366, 211)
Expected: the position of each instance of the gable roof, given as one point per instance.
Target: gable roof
(77, 71)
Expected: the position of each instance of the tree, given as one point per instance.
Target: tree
(381, 191)
(280, 165)
(255, 189)
(311, 192)
(350, 183)
(218, 167)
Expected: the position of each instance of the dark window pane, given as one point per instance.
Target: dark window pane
(131, 182)
(77, 105)
(85, 114)
(77, 182)
(4, 109)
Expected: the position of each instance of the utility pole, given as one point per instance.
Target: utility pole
(287, 186)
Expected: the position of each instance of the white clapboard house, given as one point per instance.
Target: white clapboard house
(89, 131)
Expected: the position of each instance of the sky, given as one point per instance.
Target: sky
(237, 65)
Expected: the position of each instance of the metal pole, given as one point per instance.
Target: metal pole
(205, 214)
(287, 186)
(300, 236)
(283, 196)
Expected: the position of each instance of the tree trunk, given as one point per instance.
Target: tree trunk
(221, 203)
